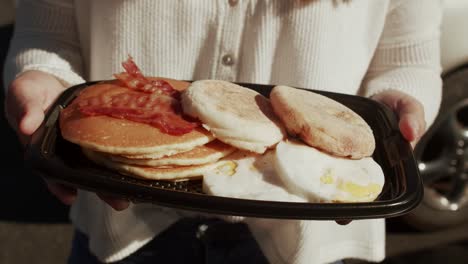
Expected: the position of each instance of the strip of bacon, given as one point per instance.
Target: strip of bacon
(153, 102)
(160, 111)
(134, 79)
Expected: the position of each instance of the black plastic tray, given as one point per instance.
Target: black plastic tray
(59, 160)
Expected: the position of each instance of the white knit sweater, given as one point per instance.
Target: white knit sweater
(348, 46)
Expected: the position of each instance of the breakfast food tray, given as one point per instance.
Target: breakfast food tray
(59, 160)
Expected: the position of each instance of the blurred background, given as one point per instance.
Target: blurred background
(34, 226)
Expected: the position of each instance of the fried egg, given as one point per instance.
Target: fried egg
(320, 177)
(248, 176)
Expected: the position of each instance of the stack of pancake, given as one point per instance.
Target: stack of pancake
(139, 149)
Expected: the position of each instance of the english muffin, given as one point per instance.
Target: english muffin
(322, 122)
(236, 115)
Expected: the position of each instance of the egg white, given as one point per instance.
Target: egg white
(248, 176)
(320, 177)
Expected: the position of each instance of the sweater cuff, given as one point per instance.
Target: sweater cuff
(65, 77)
(64, 65)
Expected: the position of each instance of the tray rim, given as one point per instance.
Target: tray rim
(403, 203)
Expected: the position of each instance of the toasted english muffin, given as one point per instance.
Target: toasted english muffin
(322, 122)
(234, 114)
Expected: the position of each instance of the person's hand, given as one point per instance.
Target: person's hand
(28, 98)
(410, 114)
(409, 110)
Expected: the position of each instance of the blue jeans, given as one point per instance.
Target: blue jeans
(190, 240)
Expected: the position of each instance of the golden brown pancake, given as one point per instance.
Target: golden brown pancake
(121, 136)
(156, 155)
(151, 173)
(207, 153)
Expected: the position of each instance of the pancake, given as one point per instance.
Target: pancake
(321, 177)
(208, 153)
(322, 122)
(158, 155)
(151, 173)
(234, 114)
(120, 136)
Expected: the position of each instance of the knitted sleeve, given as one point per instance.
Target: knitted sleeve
(45, 39)
(408, 55)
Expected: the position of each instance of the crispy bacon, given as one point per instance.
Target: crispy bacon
(161, 111)
(134, 79)
(153, 102)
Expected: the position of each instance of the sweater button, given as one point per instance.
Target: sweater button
(228, 60)
(233, 2)
(201, 231)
